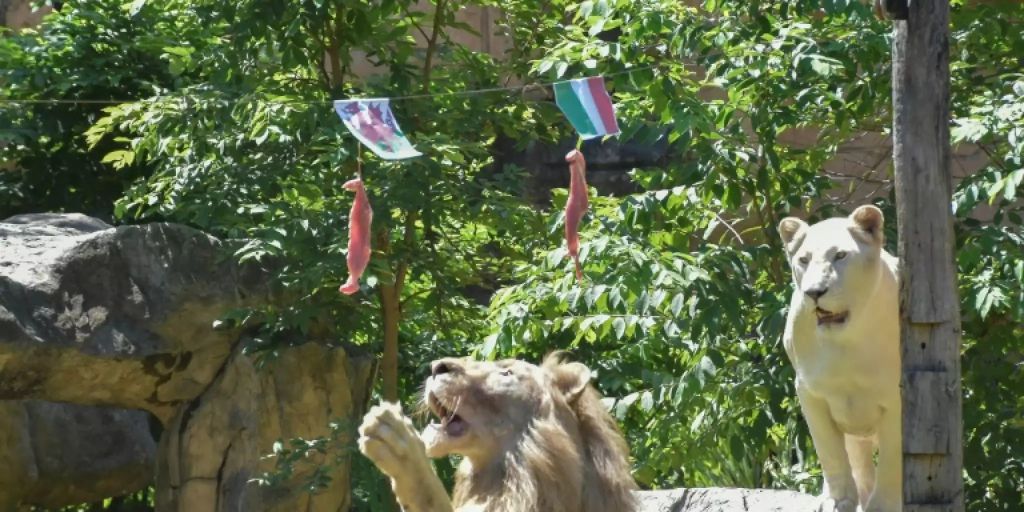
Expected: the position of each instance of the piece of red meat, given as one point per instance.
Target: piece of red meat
(576, 206)
(358, 236)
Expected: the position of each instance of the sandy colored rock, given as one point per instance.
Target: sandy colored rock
(213, 450)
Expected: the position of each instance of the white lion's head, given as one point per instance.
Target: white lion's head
(533, 437)
(484, 407)
(837, 263)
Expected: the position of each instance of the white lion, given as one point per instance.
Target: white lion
(842, 336)
(533, 438)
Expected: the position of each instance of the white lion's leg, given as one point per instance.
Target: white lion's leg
(888, 495)
(390, 441)
(862, 461)
(830, 445)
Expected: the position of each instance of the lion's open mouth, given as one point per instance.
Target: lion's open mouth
(829, 318)
(453, 424)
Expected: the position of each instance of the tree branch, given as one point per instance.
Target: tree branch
(435, 31)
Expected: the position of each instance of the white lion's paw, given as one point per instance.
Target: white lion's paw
(880, 505)
(829, 504)
(388, 438)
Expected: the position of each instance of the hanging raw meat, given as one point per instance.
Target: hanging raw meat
(359, 220)
(576, 206)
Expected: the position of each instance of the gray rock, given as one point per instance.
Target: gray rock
(726, 500)
(119, 316)
(70, 223)
(53, 454)
(102, 327)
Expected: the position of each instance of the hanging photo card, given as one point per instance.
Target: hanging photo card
(372, 122)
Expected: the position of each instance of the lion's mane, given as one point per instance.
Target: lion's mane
(564, 463)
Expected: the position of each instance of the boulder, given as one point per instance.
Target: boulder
(122, 317)
(104, 328)
(52, 455)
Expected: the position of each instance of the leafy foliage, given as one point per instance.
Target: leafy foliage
(683, 310)
(252, 149)
(988, 110)
(92, 51)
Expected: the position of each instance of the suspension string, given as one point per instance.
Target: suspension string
(359, 160)
(471, 92)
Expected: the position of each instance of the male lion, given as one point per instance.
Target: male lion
(533, 438)
(842, 336)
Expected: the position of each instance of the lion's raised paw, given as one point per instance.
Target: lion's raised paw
(388, 438)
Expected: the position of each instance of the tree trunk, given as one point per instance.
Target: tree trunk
(929, 307)
(389, 299)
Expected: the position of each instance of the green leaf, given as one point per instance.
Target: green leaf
(619, 325)
(561, 68)
(967, 130)
(824, 66)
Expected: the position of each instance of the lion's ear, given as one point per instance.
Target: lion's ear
(869, 220)
(571, 379)
(792, 230)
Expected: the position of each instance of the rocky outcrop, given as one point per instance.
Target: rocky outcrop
(214, 447)
(115, 316)
(727, 500)
(117, 324)
(55, 454)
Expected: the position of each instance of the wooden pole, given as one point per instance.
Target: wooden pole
(929, 307)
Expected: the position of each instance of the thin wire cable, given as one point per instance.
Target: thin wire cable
(359, 159)
(470, 92)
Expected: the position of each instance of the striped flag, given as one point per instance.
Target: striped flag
(587, 105)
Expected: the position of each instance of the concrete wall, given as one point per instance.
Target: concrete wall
(18, 14)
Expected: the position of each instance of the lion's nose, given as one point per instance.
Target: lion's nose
(443, 366)
(816, 293)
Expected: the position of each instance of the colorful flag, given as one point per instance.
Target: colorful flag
(372, 122)
(587, 105)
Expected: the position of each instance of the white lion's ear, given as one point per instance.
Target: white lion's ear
(869, 220)
(571, 379)
(792, 231)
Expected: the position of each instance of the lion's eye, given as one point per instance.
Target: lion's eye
(840, 255)
(506, 373)
(805, 260)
